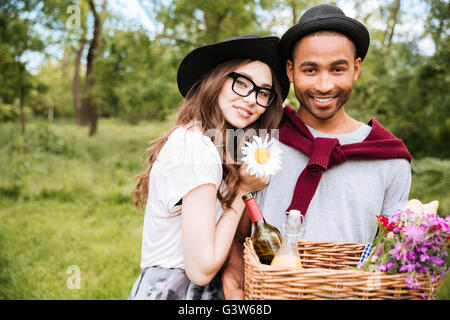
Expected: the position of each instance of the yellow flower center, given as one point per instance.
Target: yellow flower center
(262, 155)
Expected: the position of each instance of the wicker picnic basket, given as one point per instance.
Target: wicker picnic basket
(326, 275)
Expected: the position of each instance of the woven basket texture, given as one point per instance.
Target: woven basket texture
(329, 273)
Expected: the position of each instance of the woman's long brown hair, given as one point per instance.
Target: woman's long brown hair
(201, 105)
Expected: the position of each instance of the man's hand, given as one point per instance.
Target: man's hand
(234, 294)
(233, 269)
(233, 273)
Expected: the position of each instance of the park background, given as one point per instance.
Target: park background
(86, 85)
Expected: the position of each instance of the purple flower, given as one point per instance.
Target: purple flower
(433, 278)
(409, 279)
(423, 249)
(380, 250)
(407, 267)
(385, 267)
(400, 252)
(424, 269)
(437, 260)
(412, 283)
(411, 256)
(424, 257)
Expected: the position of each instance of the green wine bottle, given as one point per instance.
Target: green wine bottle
(266, 238)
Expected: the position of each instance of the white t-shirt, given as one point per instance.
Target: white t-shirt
(187, 160)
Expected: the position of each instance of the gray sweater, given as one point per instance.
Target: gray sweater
(349, 195)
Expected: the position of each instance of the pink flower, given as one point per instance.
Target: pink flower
(414, 233)
(386, 222)
(400, 252)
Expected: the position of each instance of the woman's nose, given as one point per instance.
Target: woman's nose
(251, 98)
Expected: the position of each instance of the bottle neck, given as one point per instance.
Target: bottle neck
(291, 231)
(253, 210)
(289, 245)
(293, 227)
(291, 238)
(259, 223)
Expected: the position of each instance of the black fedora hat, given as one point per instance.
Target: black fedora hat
(326, 17)
(203, 59)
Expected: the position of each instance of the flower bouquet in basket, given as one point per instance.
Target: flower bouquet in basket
(411, 243)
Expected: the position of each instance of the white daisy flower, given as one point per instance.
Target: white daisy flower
(263, 158)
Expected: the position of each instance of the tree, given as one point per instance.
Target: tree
(52, 96)
(89, 108)
(404, 88)
(17, 38)
(76, 40)
(137, 77)
(191, 23)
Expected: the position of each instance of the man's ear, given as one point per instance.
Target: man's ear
(357, 69)
(290, 70)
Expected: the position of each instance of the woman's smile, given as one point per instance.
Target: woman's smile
(243, 112)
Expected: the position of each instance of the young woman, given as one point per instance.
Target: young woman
(191, 189)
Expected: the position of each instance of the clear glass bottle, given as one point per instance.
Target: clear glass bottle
(266, 238)
(288, 255)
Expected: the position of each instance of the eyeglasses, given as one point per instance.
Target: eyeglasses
(244, 87)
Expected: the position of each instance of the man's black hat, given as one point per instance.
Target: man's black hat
(326, 17)
(203, 59)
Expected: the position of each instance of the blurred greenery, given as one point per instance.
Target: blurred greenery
(65, 200)
(65, 195)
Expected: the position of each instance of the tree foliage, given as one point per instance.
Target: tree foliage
(135, 68)
(137, 77)
(406, 89)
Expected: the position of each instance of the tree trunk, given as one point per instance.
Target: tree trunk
(77, 81)
(391, 24)
(22, 113)
(214, 26)
(22, 99)
(294, 12)
(89, 104)
(93, 115)
(51, 113)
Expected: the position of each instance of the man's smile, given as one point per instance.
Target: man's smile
(323, 101)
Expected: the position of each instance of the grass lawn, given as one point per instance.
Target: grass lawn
(65, 208)
(64, 202)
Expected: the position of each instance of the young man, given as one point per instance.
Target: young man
(339, 172)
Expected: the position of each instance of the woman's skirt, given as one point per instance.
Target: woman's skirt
(156, 283)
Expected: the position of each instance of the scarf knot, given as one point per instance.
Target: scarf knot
(326, 152)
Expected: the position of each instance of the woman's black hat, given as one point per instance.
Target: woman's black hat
(203, 59)
(326, 17)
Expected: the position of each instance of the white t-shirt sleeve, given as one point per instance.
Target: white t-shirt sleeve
(399, 184)
(189, 159)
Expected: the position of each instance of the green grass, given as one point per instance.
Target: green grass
(65, 201)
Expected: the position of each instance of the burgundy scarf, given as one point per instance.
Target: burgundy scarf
(325, 153)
